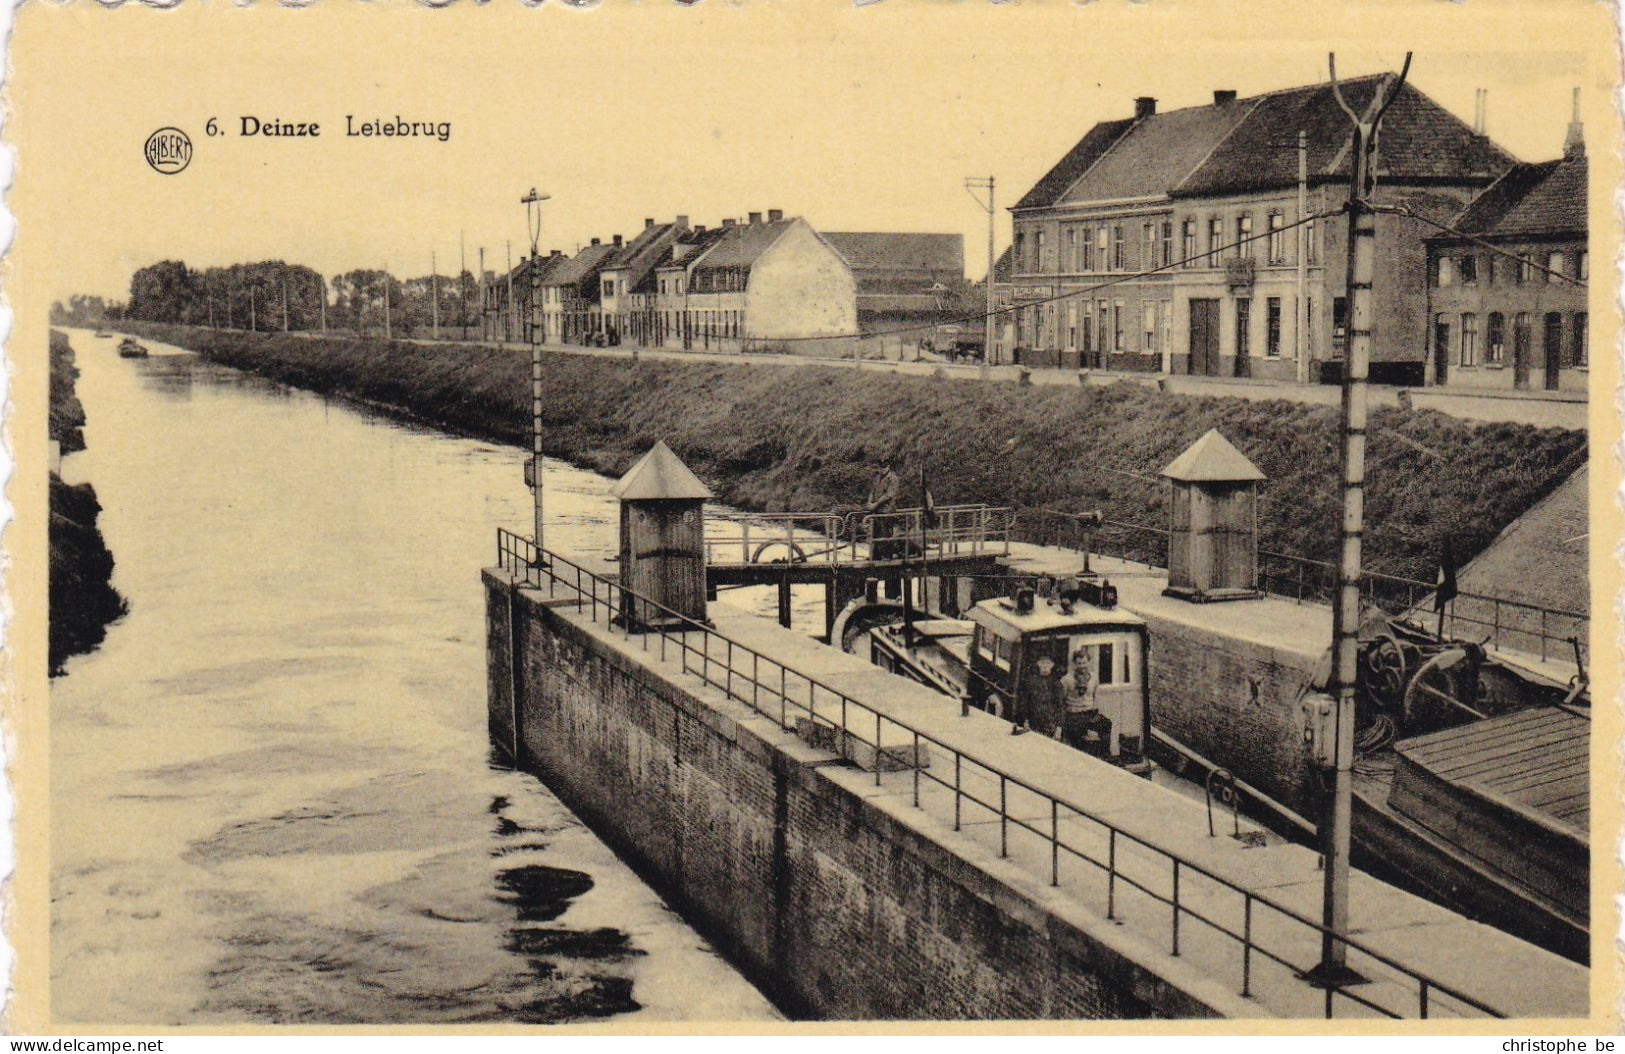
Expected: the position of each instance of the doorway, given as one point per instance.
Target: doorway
(1204, 337)
(1553, 349)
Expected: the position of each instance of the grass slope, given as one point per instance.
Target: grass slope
(812, 437)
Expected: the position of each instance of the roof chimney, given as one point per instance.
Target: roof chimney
(617, 240)
(682, 223)
(755, 218)
(775, 215)
(699, 228)
(595, 241)
(1481, 106)
(648, 221)
(1223, 95)
(1574, 145)
(558, 252)
(728, 223)
(1144, 107)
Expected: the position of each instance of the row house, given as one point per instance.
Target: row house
(572, 308)
(507, 299)
(627, 281)
(767, 280)
(1518, 320)
(1171, 241)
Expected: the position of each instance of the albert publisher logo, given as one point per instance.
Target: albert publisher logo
(168, 150)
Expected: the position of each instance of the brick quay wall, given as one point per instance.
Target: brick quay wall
(836, 904)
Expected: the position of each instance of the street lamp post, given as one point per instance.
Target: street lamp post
(973, 185)
(533, 215)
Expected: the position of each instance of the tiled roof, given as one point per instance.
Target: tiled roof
(1544, 198)
(639, 257)
(577, 269)
(741, 244)
(697, 241)
(1157, 153)
(1076, 162)
(1250, 144)
(886, 251)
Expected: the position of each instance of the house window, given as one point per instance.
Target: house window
(1579, 356)
(1103, 330)
(1101, 247)
(1118, 262)
(1311, 246)
(1340, 309)
(1148, 246)
(1277, 241)
(1038, 250)
(1446, 275)
(1526, 269)
(1584, 265)
(1215, 238)
(1495, 339)
(1088, 330)
(1309, 323)
(1469, 270)
(1117, 326)
(1148, 324)
(1554, 267)
(1167, 324)
(1168, 243)
(1272, 327)
(1072, 325)
(1020, 254)
(1188, 243)
(1244, 234)
(1520, 338)
(1244, 327)
(1469, 339)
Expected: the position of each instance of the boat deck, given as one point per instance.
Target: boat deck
(1535, 762)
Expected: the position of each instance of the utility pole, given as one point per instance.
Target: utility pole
(533, 216)
(485, 299)
(462, 278)
(386, 302)
(1362, 256)
(321, 295)
(973, 185)
(434, 295)
(507, 322)
(1300, 335)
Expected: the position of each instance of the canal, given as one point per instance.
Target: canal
(272, 797)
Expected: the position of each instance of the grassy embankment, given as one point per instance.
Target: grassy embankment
(82, 598)
(813, 437)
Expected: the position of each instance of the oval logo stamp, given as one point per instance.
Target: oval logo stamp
(168, 150)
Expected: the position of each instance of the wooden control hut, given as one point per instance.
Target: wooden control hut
(662, 539)
(1213, 536)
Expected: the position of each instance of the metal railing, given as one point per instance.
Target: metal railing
(833, 538)
(1530, 628)
(786, 696)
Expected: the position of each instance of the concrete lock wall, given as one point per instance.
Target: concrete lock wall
(835, 906)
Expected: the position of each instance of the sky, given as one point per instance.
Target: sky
(857, 119)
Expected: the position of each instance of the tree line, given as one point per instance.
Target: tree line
(274, 295)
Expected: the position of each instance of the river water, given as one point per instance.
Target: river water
(272, 796)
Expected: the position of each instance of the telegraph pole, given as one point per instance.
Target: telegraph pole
(434, 295)
(321, 295)
(1362, 256)
(1300, 334)
(386, 302)
(533, 216)
(485, 296)
(462, 289)
(507, 322)
(973, 185)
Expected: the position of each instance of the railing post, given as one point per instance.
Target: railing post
(1246, 944)
(877, 748)
(756, 681)
(956, 790)
(784, 696)
(1111, 874)
(916, 767)
(1004, 824)
(728, 674)
(1054, 842)
(1422, 997)
(1176, 906)
(744, 556)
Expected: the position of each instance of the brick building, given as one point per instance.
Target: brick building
(628, 283)
(904, 279)
(1499, 322)
(1179, 190)
(572, 309)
